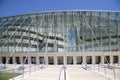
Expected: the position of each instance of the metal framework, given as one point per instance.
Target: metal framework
(64, 31)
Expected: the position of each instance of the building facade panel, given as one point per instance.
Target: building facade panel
(63, 31)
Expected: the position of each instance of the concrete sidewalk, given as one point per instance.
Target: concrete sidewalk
(53, 73)
(78, 73)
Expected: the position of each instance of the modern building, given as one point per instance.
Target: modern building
(61, 37)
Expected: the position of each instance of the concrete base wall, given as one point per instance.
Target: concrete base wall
(65, 55)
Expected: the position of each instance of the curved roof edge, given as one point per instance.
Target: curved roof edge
(57, 11)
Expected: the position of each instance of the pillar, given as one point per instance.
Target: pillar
(93, 59)
(119, 58)
(37, 60)
(7, 61)
(55, 60)
(111, 59)
(102, 59)
(29, 59)
(14, 61)
(74, 60)
(84, 59)
(21, 60)
(46, 60)
(0, 59)
(65, 59)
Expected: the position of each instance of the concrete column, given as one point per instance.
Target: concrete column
(29, 59)
(74, 60)
(93, 59)
(37, 60)
(14, 61)
(119, 58)
(65, 59)
(111, 59)
(55, 60)
(7, 61)
(84, 59)
(21, 60)
(46, 60)
(0, 59)
(102, 59)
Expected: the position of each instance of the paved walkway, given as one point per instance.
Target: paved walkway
(56, 73)
(48, 73)
(78, 73)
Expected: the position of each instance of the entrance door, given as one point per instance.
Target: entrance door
(18, 60)
(107, 59)
(89, 59)
(97, 59)
(79, 59)
(25, 60)
(33, 60)
(10, 60)
(3, 60)
(51, 60)
(60, 60)
(42, 60)
(115, 59)
(69, 59)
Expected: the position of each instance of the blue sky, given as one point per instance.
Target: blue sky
(15, 7)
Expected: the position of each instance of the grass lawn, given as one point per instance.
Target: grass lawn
(7, 76)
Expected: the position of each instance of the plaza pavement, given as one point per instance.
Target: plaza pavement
(73, 72)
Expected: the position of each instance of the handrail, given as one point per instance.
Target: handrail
(107, 70)
(63, 70)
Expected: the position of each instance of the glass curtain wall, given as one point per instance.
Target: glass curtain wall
(65, 31)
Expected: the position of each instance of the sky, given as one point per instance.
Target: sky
(16, 7)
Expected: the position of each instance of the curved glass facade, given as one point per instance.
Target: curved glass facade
(64, 31)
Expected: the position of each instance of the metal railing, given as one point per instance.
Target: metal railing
(111, 71)
(62, 75)
(26, 70)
